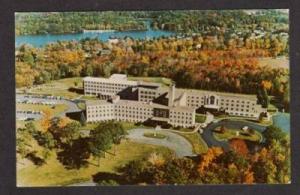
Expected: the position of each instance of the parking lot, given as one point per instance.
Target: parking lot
(42, 100)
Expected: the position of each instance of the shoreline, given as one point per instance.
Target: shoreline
(96, 31)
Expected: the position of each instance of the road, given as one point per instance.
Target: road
(211, 141)
(175, 142)
(72, 106)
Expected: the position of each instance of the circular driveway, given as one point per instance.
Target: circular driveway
(173, 141)
(211, 141)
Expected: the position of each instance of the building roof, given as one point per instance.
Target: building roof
(182, 109)
(180, 91)
(118, 76)
(114, 79)
(96, 102)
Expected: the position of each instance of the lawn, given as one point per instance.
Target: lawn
(231, 133)
(199, 145)
(200, 118)
(155, 135)
(81, 105)
(59, 88)
(126, 125)
(53, 173)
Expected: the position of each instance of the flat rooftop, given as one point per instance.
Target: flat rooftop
(96, 102)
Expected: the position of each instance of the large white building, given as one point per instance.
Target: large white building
(136, 101)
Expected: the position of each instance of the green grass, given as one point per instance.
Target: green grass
(81, 105)
(126, 125)
(199, 145)
(155, 135)
(54, 174)
(272, 108)
(231, 133)
(58, 87)
(200, 118)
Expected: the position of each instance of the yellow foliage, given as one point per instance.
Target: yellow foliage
(63, 122)
(207, 158)
(248, 177)
(156, 159)
(266, 84)
(45, 122)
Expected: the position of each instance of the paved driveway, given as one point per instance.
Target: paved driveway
(175, 142)
(211, 141)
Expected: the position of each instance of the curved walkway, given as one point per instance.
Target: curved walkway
(175, 142)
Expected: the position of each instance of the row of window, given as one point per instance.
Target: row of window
(148, 92)
(181, 113)
(241, 114)
(148, 97)
(91, 83)
(192, 98)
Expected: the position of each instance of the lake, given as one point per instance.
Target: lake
(41, 40)
(282, 120)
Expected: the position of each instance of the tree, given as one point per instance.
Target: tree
(46, 120)
(239, 146)
(263, 97)
(23, 142)
(208, 157)
(118, 133)
(70, 132)
(273, 133)
(75, 155)
(264, 171)
(101, 140)
(178, 171)
(45, 139)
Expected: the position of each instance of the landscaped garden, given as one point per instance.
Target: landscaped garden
(222, 133)
(155, 135)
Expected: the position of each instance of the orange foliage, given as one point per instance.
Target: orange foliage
(266, 84)
(208, 157)
(239, 146)
(248, 177)
(63, 122)
(45, 122)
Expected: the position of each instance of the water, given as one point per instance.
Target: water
(282, 120)
(41, 40)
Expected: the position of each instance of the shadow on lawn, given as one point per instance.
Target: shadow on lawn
(35, 159)
(103, 178)
(75, 155)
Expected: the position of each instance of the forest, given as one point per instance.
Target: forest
(201, 62)
(218, 50)
(208, 22)
(75, 22)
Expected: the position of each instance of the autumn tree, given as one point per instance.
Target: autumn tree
(239, 146)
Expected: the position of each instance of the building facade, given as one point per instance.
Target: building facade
(153, 101)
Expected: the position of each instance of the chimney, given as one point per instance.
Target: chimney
(171, 94)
